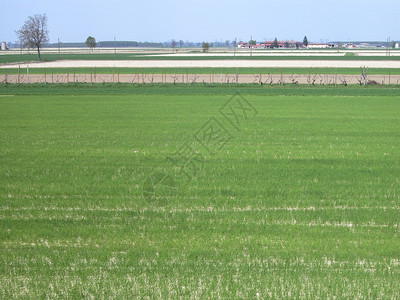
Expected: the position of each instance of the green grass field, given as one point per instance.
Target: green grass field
(297, 198)
(342, 71)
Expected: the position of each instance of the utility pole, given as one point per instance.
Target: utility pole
(387, 47)
(115, 50)
(59, 54)
(251, 46)
(234, 50)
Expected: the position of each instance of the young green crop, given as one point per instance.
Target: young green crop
(302, 202)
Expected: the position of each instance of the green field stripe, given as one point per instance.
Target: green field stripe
(197, 89)
(12, 58)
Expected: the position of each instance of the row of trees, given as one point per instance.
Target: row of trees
(276, 45)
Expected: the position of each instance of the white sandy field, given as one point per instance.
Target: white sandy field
(212, 51)
(209, 64)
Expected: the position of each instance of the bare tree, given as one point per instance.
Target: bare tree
(181, 43)
(173, 45)
(311, 80)
(343, 80)
(270, 79)
(175, 77)
(294, 79)
(364, 74)
(193, 78)
(34, 33)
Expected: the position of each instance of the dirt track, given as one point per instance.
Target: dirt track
(201, 78)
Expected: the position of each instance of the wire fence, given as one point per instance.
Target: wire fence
(187, 78)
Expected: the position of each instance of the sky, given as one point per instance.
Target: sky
(207, 20)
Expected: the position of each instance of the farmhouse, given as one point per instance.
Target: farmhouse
(243, 45)
(268, 44)
(317, 45)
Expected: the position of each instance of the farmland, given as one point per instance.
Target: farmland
(299, 198)
(163, 65)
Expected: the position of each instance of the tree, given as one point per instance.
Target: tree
(252, 42)
(305, 41)
(181, 43)
(286, 44)
(34, 33)
(275, 44)
(227, 42)
(91, 42)
(205, 46)
(173, 45)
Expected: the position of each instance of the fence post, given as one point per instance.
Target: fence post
(19, 71)
(45, 77)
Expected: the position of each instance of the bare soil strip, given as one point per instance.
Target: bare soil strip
(201, 78)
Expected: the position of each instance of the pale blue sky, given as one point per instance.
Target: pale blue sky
(207, 20)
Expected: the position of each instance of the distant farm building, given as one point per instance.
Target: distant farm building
(286, 45)
(3, 46)
(269, 44)
(243, 45)
(317, 45)
(350, 46)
